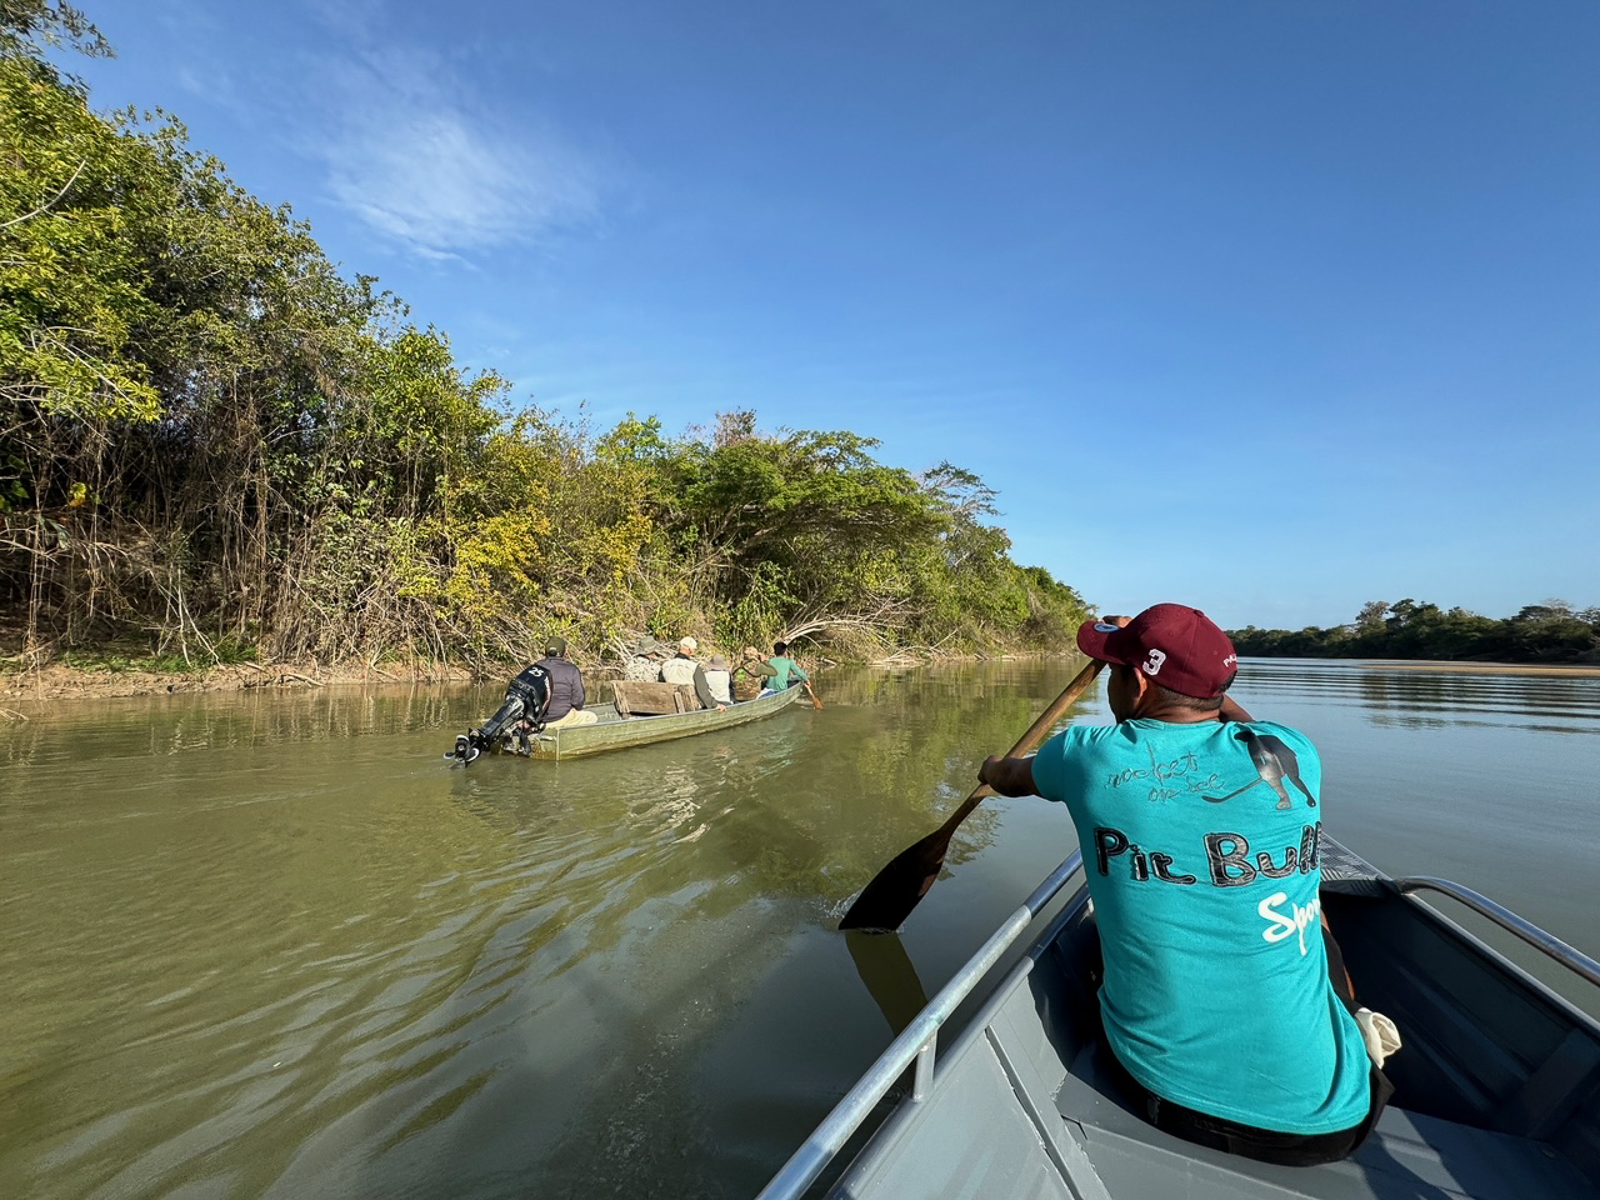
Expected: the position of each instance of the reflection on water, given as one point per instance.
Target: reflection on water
(1488, 778)
(148, 726)
(275, 945)
(1428, 697)
(889, 976)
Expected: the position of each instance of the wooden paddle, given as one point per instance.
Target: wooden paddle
(887, 901)
(815, 703)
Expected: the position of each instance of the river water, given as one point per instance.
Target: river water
(276, 946)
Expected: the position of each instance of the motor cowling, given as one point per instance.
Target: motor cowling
(520, 715)
(532, 687)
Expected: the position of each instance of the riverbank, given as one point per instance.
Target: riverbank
(59, 682)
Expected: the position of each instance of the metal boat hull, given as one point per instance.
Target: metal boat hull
(614, 732)
(1497, 1086)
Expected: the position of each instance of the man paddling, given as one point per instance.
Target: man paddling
(786, 672)
(1217, 997)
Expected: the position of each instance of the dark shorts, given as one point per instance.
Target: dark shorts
(1263, 1145)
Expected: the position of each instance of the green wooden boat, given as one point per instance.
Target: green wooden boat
(613, 731)
(616, 731)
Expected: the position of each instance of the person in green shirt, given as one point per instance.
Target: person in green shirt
(788, 671)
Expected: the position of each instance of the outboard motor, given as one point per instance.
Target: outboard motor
(519, 717)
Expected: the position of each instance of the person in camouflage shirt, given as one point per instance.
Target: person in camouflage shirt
(645, 665)
(751, 675)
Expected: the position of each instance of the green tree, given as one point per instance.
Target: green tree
(27, 27)
(207, 432)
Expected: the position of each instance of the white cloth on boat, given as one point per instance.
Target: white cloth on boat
(1379, 1033)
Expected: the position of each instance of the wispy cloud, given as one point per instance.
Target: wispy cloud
(212, 86)
(420, 155)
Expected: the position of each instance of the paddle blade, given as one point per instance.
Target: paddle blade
(886, 902)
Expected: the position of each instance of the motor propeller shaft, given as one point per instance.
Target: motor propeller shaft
(505, 721)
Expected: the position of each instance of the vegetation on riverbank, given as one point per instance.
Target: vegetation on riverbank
(1552, 632)
(216, 449)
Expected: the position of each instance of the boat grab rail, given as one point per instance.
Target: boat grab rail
(916, 1043)
(1570, 957)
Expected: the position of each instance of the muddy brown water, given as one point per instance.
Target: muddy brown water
(275, 945)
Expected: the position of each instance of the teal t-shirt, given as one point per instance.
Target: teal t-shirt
(789, 673)
(1200, 844)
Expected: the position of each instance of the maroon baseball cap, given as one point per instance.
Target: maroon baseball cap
(1176, 646)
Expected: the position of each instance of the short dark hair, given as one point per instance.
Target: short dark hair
(1194, 704)
(780, 647)
(1178, 699)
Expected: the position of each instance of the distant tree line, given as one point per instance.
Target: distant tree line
(1552, 632)
(213, 445)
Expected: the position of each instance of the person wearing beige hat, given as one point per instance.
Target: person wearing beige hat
(682, 668)
(752, 675)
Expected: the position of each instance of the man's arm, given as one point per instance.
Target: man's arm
(1008, 776)
(702, 689)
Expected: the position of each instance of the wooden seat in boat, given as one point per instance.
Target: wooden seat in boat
(643, 699)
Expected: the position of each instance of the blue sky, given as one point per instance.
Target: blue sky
(1274, 307)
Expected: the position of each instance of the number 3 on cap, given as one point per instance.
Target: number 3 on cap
(1152, 665)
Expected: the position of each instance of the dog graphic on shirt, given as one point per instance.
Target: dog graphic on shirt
(1274, 762)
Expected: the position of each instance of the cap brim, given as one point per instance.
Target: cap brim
(1092, 639)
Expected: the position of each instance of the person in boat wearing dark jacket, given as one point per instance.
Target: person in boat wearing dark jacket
(566, 688)
(1227, 1009)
